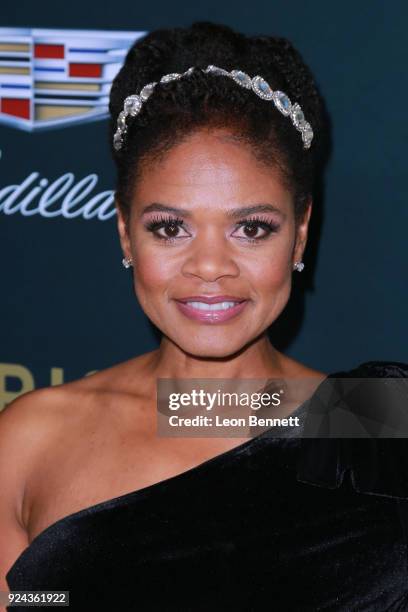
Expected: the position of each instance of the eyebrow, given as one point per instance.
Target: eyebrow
(233, 213)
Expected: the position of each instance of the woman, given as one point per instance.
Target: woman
(214, 197)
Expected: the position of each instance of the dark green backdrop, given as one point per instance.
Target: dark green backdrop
(67, 302)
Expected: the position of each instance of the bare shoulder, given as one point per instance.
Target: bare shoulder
(127, 377)
(31, 418)
(24, 426)
(27, 424)
(38, 420)
(27, 418)
(32, 414)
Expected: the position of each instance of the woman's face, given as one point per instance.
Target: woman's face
(190, 237)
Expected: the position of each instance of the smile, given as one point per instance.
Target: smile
(211, 313)
(218, 306)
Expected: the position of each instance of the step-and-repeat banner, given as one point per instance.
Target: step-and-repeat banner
(68, 307)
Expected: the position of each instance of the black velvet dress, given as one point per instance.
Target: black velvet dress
(276, 523)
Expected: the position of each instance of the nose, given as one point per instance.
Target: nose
(210, 258)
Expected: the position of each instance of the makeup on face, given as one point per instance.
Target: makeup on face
(167, 226)
(217, 309)
(211, 236)
(167, 221)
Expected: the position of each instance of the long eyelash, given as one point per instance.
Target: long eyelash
(262, 222)
(157, 222)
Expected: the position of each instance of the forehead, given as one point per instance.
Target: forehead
(210, 169)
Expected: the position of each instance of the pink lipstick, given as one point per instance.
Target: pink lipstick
(211, 309)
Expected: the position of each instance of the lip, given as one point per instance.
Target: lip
(215, 316)
(210, 299)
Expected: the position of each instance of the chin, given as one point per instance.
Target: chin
(209, 348)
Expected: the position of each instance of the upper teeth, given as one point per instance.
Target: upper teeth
(218, 306)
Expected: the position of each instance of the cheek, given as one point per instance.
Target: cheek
(268, 269)
(271, 271)
(152, 269)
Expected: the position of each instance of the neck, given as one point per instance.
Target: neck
(258, 360)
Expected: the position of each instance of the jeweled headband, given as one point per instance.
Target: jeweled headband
(133, 104)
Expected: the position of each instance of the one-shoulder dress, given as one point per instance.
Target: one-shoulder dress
(275, 524)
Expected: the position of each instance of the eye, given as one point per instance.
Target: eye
(170, 228)
(257, 227)
(253, 226)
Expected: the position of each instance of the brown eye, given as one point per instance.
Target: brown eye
(251, 227)
(251, 231)
(169, 226)
(171, 230)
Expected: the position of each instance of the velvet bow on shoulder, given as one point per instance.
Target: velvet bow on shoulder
(377, 459)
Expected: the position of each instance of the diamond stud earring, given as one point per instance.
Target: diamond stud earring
(299, 265)
(126, 262)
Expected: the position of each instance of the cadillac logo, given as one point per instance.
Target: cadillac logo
(53, 78)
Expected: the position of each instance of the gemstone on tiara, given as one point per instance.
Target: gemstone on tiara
(216, 70)
(122, 119)
(241, 78)
(147, 91)
(297, 116)
(172, 76)
(307, 134)
(262, 88)
(117, 140)
(132, 105)
(282, 102)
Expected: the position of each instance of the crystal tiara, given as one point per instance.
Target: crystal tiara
(133, 104)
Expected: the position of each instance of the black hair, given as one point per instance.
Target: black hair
(204, 100)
